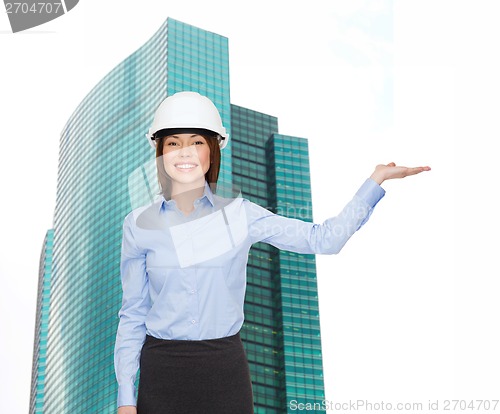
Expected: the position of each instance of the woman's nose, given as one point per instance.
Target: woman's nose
(187, 151)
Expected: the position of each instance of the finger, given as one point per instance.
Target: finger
(416, 170)
(391, 164)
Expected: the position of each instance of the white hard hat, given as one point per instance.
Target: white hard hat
(188, 110)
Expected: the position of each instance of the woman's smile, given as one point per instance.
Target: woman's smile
(186, 167)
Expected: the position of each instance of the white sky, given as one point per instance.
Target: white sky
(409, 309)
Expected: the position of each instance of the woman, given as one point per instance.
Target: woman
(183, 269)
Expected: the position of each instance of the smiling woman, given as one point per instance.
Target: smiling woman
(183, 268)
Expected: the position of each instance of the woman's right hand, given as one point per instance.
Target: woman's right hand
(127, 409)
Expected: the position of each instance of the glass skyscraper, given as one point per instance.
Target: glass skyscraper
(106, 168)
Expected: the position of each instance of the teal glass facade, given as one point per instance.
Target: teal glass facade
(106, 168)
(41, 326)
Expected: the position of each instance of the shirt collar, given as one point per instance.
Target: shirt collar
(207, 193)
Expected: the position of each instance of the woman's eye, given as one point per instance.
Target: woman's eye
(199, 142)
(171, 143)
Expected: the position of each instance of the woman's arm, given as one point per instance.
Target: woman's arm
(299, 236)
(131, 331)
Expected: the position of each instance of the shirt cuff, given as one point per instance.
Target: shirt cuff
(371, 192)
(126, 395)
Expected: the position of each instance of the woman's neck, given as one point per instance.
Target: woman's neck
(185, 197)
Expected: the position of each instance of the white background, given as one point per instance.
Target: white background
(410, 307)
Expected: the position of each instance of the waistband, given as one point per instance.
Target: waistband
(201, 345)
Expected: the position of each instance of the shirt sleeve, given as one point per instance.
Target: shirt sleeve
(131, 331)
(304, 237)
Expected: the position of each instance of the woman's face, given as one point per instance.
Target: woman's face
(186, 158)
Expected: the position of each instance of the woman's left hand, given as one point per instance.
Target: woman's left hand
(389, 171)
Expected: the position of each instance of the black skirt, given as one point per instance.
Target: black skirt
(207, 376)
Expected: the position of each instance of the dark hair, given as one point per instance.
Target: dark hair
(211, 176)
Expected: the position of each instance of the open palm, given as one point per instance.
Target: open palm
(389, 171)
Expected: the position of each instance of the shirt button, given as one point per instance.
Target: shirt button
(193, 291)
(193, 321)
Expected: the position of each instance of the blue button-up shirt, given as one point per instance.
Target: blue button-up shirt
(184, 277)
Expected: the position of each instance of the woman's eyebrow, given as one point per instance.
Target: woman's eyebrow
(192, 136)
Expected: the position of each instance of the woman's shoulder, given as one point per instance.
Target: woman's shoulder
(242, 207)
